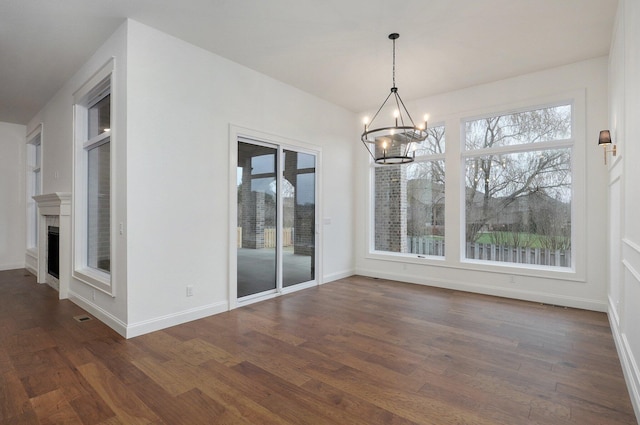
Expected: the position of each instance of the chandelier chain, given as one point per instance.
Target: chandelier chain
(394, 62)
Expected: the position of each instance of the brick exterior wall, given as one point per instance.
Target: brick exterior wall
(304, 230)
(303, 214)
(252, 218)
(391, 209)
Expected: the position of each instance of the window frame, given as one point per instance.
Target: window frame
(454, 204)
(465, 154)
(96, 88)
(238, 134)
(34, 187)
(407, 256)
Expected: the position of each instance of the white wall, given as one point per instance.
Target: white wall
(57, 170)
(624, 198)
(181, 102)
(173, 106)
(12, 196)
(583, 288)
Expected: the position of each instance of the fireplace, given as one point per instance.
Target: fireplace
(53, 251)
(54, 248)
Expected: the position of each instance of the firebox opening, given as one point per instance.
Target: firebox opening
(53, 249)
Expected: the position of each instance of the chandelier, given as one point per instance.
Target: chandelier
(393, 144)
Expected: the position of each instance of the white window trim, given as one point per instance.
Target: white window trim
(401, 256)
(454, 208)
(34, 139)
(517, 148)
(88, 94)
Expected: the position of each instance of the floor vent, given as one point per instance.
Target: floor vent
(555, 305)
(81, 318)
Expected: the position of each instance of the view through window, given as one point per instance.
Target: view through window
(409, 201)
(518, 187)
(516, 191)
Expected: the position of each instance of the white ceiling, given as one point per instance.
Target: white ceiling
(335, 49)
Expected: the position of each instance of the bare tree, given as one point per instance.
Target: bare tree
(495, 181)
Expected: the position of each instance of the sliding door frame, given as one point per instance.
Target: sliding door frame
(241, 134)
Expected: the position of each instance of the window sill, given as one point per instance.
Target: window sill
(407, 258)
(528, 270)
(521, 269)
(96, 279)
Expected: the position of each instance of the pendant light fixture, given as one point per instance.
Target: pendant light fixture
(395, 143)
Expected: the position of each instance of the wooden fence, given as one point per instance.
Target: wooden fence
(270, 237)
(512, 254)
(484, 251)
(425, 245)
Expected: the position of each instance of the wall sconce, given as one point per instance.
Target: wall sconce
(605, 140)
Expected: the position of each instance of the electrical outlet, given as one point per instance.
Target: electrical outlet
(189, 290)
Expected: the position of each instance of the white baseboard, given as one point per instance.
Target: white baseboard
(101, 314)
(518, 294)
(15, 266)
(163, 322)
(132, 330)
(338, 275)
(151, 325)
(628, 362)
(613, 314)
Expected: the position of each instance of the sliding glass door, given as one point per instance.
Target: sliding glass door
(257, 218)
(299, 217)
(276, 218)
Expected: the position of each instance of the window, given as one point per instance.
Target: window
(98, 148)
(92, 181)
(98, 207)
(409, 201)
(34, 185)
(518, 187)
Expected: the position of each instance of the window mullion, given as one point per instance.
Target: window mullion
(501, 150)
(97, 140)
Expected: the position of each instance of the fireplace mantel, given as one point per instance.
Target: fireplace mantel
(57, 204)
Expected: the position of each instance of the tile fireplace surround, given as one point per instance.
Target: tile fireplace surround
(55, 208)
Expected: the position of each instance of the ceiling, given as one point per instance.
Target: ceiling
(337, 50)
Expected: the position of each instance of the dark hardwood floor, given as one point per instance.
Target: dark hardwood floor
(355, 351)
